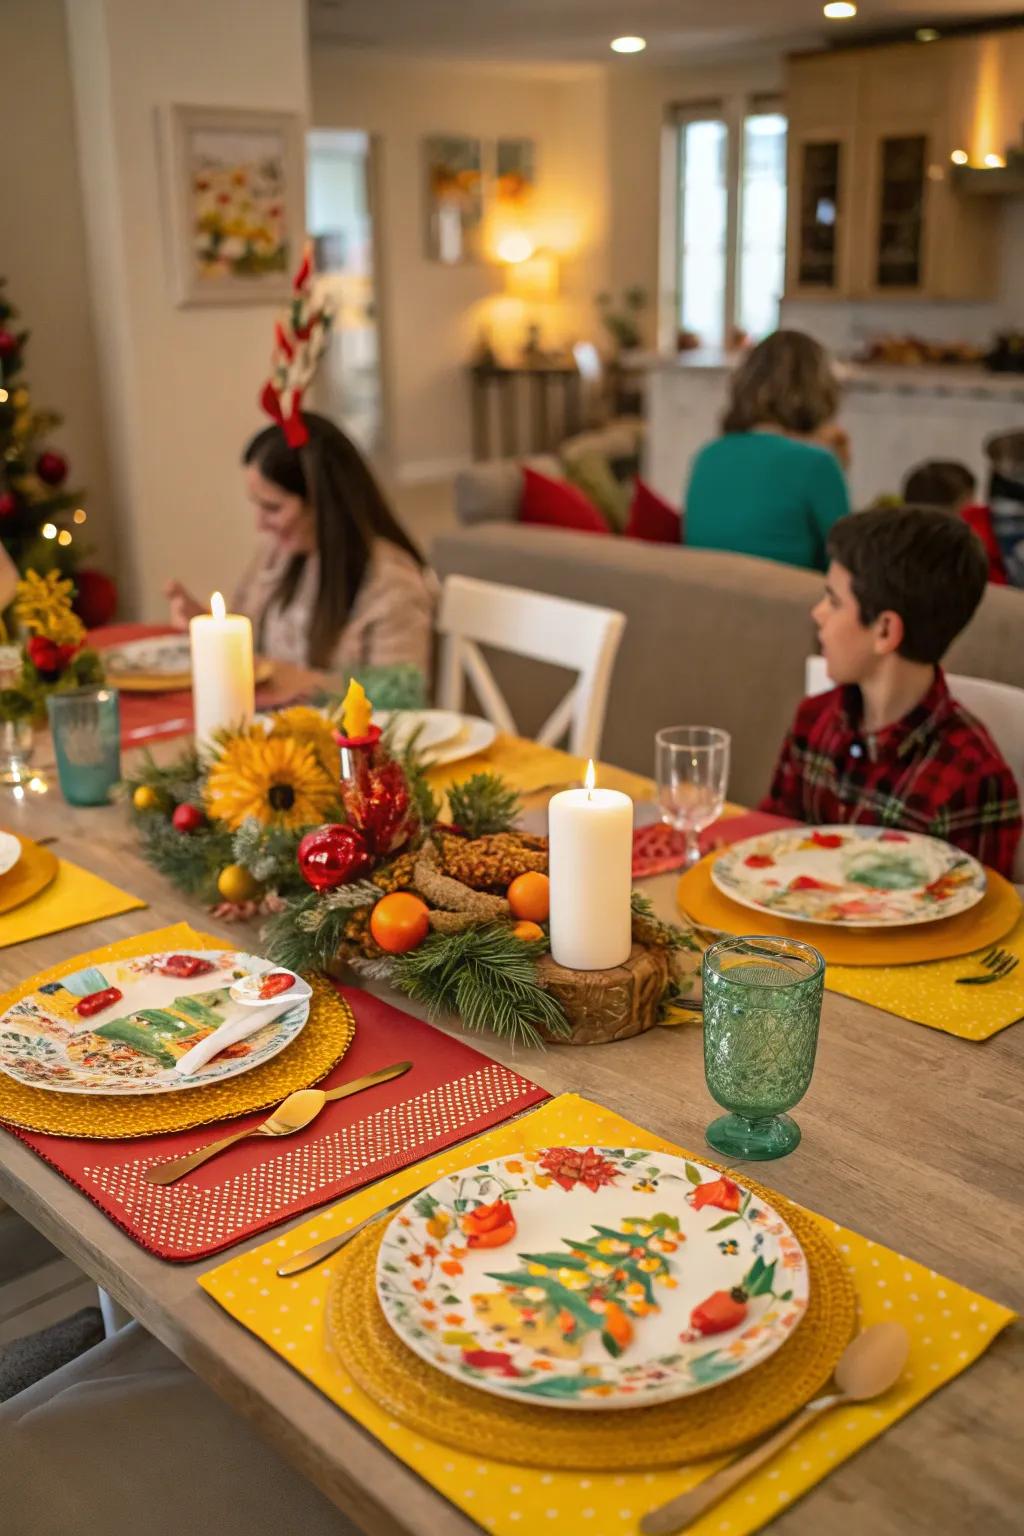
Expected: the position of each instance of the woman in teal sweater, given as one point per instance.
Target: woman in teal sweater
(770, 486)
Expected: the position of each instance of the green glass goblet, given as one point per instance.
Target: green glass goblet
(762, 1007)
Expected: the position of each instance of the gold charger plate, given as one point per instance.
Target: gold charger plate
(666, 1435)
(310, 1056)
(176, 682)
(991, 920)
(35, 870)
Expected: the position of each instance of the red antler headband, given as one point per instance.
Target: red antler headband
(298, 347)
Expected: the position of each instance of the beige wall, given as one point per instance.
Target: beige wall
(42, 249)
(180, 386)
(432, 314)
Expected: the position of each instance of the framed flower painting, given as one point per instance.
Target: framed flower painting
(454, 176)
(234, 192)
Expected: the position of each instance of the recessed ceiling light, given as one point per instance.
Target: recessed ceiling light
(995, 162)
(840, 10)
(959, 157)
(926, 35)
(628, 44)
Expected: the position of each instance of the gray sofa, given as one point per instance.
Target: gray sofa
(710, 639)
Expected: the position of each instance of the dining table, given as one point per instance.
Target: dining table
(910, 1136)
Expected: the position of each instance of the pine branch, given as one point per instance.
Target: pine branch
(270, 855)
(309, 933)
(482, 804)
(177, 781)
(192, 861)
(485, 976)
(650, 929)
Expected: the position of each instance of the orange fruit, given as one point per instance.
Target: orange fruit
(399, 922)
(529, 896)
(527, 930)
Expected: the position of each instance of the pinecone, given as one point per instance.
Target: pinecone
(358, 935)
(397, 874)
(492, 862)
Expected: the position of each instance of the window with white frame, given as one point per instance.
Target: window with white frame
(730, 213)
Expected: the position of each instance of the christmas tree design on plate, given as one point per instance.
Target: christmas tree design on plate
(604, 1284)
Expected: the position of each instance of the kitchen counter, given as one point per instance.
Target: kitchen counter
(896, 417)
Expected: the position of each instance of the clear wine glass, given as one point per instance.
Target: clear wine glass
(692, 770)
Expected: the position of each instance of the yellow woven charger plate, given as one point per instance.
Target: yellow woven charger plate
(177, 682)
(991, 920)
(35, 870)
(310, 1056)
(689, 1429)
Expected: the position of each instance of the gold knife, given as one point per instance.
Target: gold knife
(316, 1255)
(168, 1173)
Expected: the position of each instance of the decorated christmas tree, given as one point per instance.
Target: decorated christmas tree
(39, 517)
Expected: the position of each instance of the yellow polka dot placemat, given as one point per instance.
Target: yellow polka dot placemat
(949, 1328)
(965, 997)
(309, 1057)
(75, 896)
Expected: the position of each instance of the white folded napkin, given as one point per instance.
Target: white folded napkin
(245, 1023)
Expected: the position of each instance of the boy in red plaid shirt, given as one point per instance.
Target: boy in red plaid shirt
(890, 746)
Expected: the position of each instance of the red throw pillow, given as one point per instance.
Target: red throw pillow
(653, 519)
(557, 504)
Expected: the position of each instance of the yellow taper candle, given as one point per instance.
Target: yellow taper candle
(356, 711)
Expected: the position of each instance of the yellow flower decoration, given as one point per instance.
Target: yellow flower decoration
(276, 779)
(43, 607)
(309, 726)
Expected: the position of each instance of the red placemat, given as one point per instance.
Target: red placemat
(658, 848)
(452, 1092)
(148, 717)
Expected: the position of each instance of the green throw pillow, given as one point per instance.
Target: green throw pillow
(592, 474)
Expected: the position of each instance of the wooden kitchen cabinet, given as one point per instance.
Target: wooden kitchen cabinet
(902, 230)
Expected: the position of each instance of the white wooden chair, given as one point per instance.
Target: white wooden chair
(999, 707)
(555, 629)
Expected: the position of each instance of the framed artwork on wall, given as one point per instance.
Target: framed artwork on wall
(515, 175)
(454, 186)
(234, 194)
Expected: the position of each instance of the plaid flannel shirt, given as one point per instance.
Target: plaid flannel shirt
(935, 771)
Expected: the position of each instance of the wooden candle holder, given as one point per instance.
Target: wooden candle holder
(608, 1005)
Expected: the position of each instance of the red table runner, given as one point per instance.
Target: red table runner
(453, 1091)
(658, 848)
(149, 717)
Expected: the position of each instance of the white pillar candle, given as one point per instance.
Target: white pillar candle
(590, 861)
(223, 691)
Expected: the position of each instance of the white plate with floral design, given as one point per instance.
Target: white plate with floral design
(591, 1277)
(68, 1037)
(850, 876)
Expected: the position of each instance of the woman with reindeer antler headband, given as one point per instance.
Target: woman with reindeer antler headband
(340, 584)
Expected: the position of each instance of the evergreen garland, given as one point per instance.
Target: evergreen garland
(483, 804)
(270, 854)
(487, 977)
(309, 932)
(191, 861)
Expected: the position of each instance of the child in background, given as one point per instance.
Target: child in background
(949, 486)
(889, 746)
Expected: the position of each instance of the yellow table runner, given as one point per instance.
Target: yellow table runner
(76, 896)
(949, 1328)
(528, 767)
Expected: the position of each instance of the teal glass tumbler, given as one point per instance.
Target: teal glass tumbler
(762, 1008)
(86, 728)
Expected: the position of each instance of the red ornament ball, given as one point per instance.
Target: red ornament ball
(95, 598)
(8, 343)
(52, 468)
(332, 855)
(188, 818)
(8, 503)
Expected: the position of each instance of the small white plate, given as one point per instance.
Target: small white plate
(10, 851)
(475, 736)
(431, 727)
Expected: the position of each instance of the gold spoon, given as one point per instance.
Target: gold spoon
(869, 1365)
(292, 1114)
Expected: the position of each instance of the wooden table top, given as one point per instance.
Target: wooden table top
(910, 1136)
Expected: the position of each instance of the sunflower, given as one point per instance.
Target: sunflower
(309, 726)
(278, 780)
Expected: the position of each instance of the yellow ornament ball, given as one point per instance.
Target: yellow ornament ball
(236, 884)
(146, 798)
